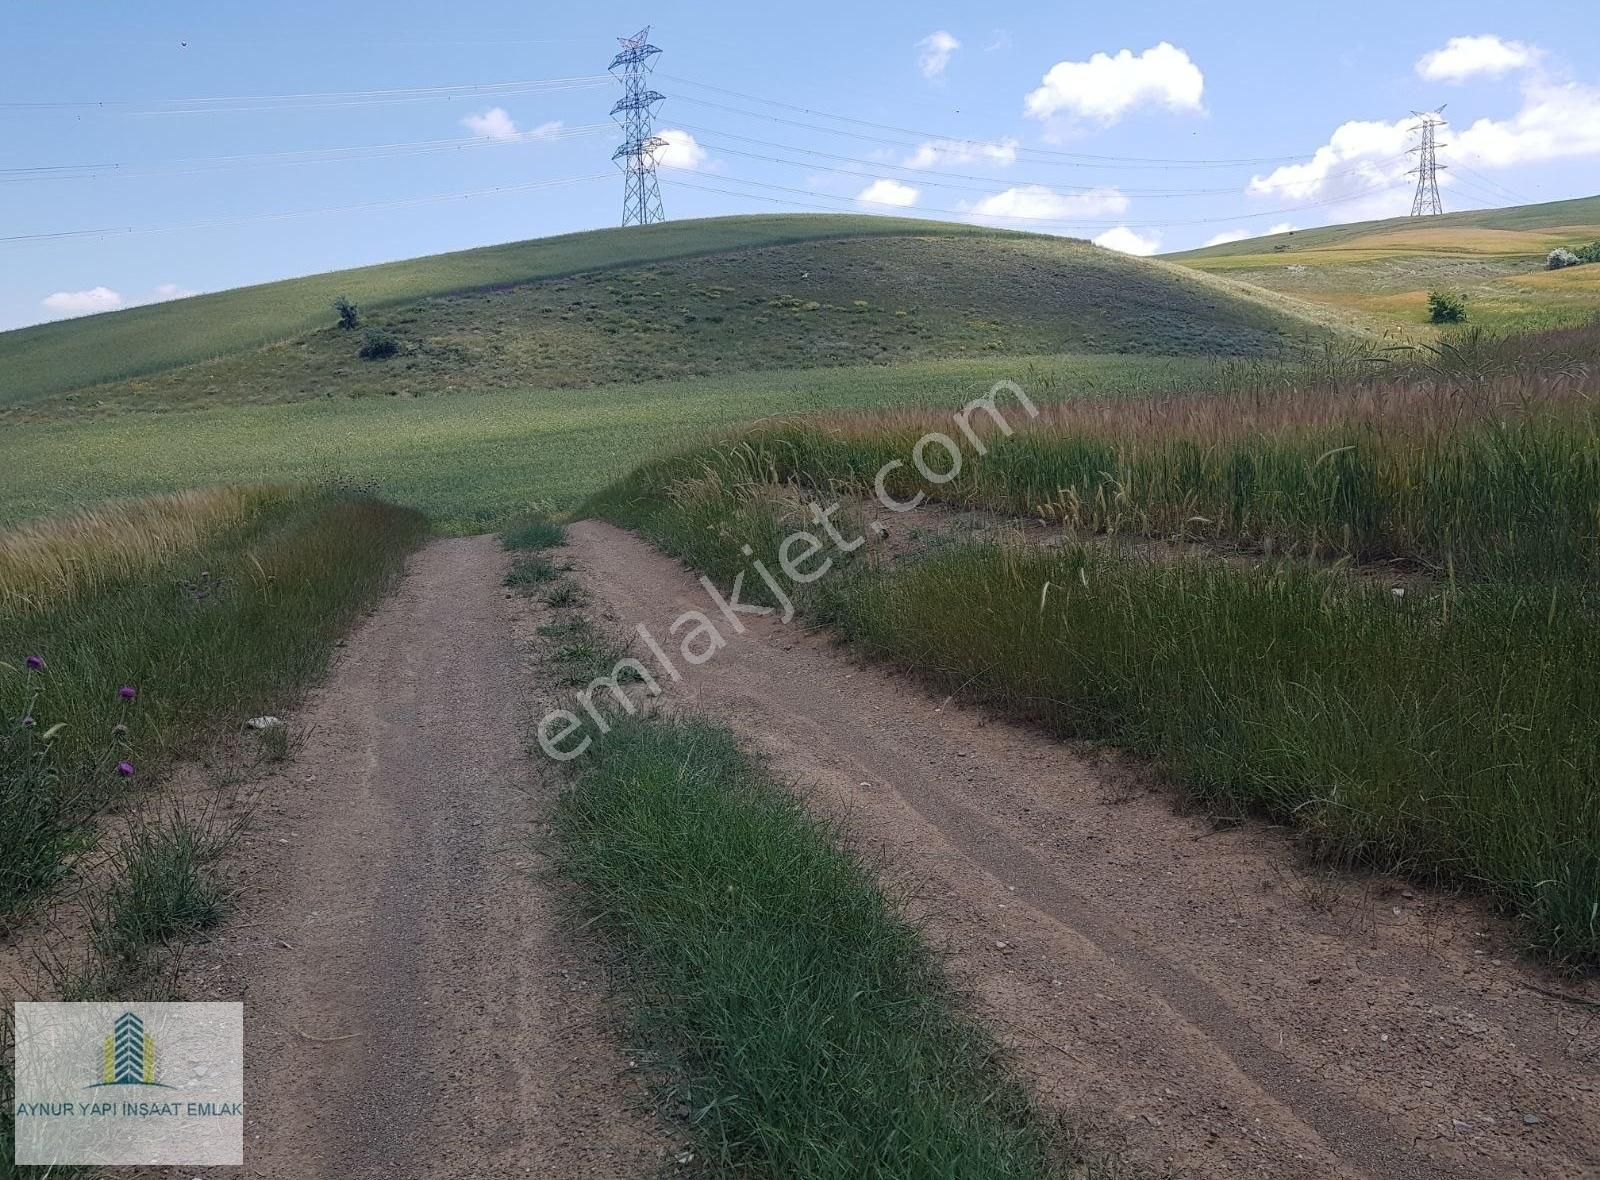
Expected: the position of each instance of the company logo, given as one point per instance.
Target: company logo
(128, 1056)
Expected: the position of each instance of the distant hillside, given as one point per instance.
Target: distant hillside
(1386, 268)
(710, 297)
(72, 354)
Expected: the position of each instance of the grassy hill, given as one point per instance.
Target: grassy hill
(1386, 268)
(677, 300)
(72, 354)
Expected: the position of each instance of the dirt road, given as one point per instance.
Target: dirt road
(1225, 1011)
(415, 1006)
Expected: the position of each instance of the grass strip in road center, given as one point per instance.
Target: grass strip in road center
(795, 1014)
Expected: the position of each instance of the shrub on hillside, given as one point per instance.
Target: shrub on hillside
(349, 313)
(1445, 308)
(378, 344)
(1560, 258)
(1589, 253)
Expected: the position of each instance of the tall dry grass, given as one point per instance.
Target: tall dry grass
(55, 562)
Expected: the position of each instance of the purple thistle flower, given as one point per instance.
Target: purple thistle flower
(28, 723)
(125, 769)
(127, 692)
(120, 730)
(35, 663)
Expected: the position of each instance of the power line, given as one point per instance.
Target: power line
(976, 144)
(307, 156)
(317, 101)
(988, 183)
(404, 203)
(905, 210)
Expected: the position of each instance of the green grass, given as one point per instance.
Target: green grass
(528, 573)
(65, 355)
(1446, 732)
(163, 889)
(858, 301)
(475, 462)
(1481, 461)
(779, 996)
(229, 628)
(533, 532)
(1384, 269)
(1449, 736)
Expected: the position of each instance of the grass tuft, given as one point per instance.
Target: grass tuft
(163, 889)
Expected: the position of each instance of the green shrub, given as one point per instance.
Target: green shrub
(349, 313)
(379, 344)
(1445, 308)
(1589, 253)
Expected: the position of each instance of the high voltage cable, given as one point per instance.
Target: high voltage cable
(318, 101)
(1061, 221)
(404, 203)
(307, 156)
(988, 183)
(1152, 161)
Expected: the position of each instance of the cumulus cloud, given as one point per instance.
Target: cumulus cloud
(493, 123)
(937, 49)
(1556, 121)
(1127, 241)
(888, 192)
(1365, 162)
(1035, 201)
(682, 151)
(165, 291)
(1466, 57)
(935, 152)
(68, 303)
(1104, 88)
(1361, 156)
(1282, 227)
(1226, 236)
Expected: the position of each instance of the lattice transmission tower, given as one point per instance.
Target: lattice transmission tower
(1427, 203)
(641, 194)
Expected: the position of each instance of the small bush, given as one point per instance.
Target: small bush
(1560, 258)
(349, 313)
(1589, 253)
(379, 344)
(1445, 308)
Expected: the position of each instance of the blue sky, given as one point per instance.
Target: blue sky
(1101, 122)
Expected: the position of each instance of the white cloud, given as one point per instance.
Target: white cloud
(1035, 201)
(494, 123)
(1556, 121)
(934, 152)
(1282, 227)
(1464, 57)
(937, 49)
(889, 192)
(166, 291)
(1360, 157)
(1104, 88)
(83, 302)
(682, 152)
(1126, 241)
(1226, 236)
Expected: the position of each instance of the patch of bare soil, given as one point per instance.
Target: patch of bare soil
(1229, 1011)
(417, 1002)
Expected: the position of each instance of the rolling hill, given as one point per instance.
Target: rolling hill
(676, 300)
(1386, 268)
